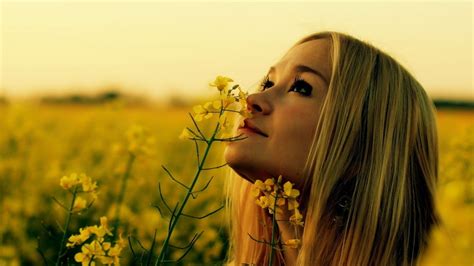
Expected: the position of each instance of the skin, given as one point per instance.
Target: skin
(289, 119)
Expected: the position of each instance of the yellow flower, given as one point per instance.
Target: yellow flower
(98, 248)
(242, 95)
(74, 240)
(79, 204)
(93, 229)
(87, 184)
(121, 241)
(289, 191)
(105, 225)
(246, 114)
(68, 182)
(85, 256)
(221, 82)
(115, 250)
(99, 231)
(259, 184)
(185, 134)
(242, 123)
(292, 204)
(208, 106)
(106, 260)
(217, 104)
(94, 195)
(296, 219)
(293, 243)
(271, 200)
(269, 184)
(106, 245)
(272, 192)
(227, 100)
(95, 248)
(140, 141)
(263, 202)
(198, 109)
(201, 112)
(255, 191)
(224, 122)
(280, 201)
(243, 111)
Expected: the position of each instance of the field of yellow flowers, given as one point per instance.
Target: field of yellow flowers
(41, 144)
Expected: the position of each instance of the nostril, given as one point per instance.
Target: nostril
(256, 108)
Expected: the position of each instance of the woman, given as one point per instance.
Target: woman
(356, 134)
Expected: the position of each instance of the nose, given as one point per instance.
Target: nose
(258, 103)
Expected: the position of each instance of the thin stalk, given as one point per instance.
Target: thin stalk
(68, 220)
(274, 225)
(162, 255)
(150, 255)
(92, 259)
(118, 205)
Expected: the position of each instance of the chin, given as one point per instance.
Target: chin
(237, 161)
(232, 156)
(244, 164)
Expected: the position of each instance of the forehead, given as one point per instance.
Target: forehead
(314, 54)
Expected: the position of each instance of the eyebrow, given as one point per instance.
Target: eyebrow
(303, 68)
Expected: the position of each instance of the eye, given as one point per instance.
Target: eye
(266, 83)
(301, 86)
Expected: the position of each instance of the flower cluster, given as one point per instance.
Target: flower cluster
(98, 248)
(228, 98)
(84, 185)
(140, 141)
(271, 195)
(269, 191)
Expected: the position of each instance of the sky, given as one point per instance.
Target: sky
(161, 49)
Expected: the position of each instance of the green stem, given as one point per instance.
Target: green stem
(118, 205)
(68, 220)
(92, 259)
(274, 225)
(162, 255)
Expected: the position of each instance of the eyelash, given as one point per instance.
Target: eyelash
(297, 82)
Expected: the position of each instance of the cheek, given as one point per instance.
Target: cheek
(298, 124)
(294, 140)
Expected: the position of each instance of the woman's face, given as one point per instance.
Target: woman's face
(286, 111)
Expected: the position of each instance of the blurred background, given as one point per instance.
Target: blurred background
(76, 76)
(158, 50)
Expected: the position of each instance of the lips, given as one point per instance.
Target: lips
(249, 125)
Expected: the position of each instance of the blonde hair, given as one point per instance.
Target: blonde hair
(370, 175)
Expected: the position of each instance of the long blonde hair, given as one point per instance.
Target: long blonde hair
(370, 175)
